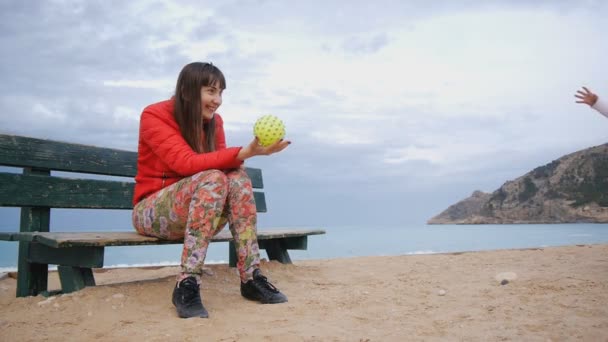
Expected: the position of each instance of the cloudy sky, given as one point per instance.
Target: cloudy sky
(396, 109)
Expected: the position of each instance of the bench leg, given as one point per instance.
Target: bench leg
(276, 251)
(232, 258)
(75, 278)
(32, 278)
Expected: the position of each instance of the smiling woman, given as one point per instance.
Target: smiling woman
(189, 184)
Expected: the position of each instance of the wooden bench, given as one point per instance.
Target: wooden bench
(36, 191)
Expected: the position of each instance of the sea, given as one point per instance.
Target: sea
(355, 241)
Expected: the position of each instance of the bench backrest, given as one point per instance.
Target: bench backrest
(36, 187)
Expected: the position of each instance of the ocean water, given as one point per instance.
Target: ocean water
(351, 241)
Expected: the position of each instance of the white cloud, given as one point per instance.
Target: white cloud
(161, 85)
(44, 113)
(342, 136)
(122, 113)
(413, 153)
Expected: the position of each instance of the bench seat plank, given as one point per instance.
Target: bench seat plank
(73, 239)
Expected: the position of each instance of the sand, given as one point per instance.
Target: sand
(550, 294)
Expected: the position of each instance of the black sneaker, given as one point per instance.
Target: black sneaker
(261, 290)
(187, 299)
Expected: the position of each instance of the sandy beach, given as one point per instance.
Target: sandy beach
(550, 294)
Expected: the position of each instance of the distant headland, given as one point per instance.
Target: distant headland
(571, 189)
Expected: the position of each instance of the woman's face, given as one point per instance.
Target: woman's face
(211, 100)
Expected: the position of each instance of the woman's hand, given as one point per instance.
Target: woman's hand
(255, 149)
(586, 96)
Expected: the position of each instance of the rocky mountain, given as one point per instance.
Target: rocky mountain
(573, 188)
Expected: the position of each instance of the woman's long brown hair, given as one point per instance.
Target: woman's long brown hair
(187, 109)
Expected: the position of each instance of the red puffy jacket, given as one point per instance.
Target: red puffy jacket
(164, 157)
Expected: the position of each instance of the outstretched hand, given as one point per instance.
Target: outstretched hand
(256, 149)
(585, 96)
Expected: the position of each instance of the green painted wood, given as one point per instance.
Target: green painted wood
(62, 156)
(75, 278)
(256, 177)
(32, 278)
(260, 201)
(276, 251)
(7, 236)
(55, 192)
(299, 243)
(232, 257)
(67, 256)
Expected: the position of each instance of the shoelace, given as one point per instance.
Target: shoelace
(190, 292)
(263, 284)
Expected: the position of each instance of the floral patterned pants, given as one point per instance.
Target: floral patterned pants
(198, 207)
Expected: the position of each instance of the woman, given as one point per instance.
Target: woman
(189, 184)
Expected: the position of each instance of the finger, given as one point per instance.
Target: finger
(283, 145)
(278, 146)
(580, 102)
(587, 90)
(579, 96)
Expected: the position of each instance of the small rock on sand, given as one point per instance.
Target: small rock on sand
(509, 276)
(441, 292)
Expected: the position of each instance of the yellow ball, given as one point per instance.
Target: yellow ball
(269, 129)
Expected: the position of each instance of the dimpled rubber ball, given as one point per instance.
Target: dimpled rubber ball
(269, 129)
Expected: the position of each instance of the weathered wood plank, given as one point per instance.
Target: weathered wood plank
(80, 256)
(62, 156)
(256, 178)
(260, 201)
(42, 191)
(18, 190)
(58, 239)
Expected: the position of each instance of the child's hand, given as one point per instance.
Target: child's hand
(586, 96)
